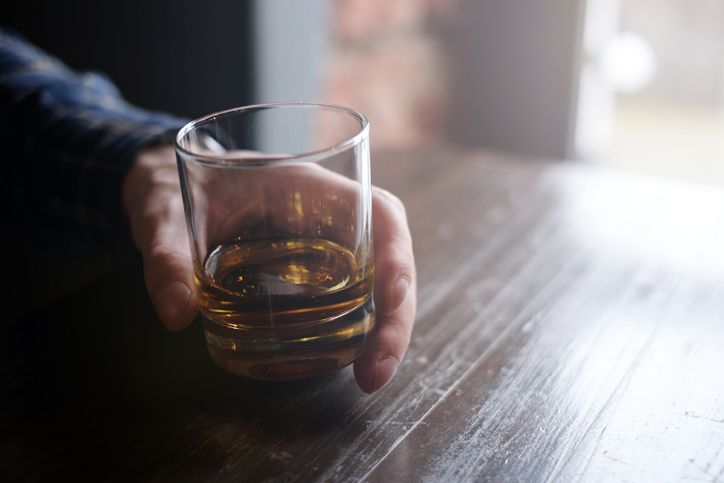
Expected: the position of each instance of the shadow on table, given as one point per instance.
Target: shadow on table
(94, 381)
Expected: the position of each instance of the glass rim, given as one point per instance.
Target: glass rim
(311, 156)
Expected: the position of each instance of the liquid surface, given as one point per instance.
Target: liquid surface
(285, 308)
(280, 283)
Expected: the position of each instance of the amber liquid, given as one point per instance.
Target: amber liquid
(284, 309)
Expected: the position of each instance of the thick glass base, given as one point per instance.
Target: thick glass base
(292, 353)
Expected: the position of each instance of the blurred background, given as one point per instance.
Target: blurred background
(636, 85)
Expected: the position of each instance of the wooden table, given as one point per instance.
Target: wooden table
(570, 328)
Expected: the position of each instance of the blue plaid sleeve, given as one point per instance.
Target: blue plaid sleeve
(67, 139)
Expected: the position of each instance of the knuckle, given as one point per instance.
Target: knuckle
(164, 254)
(397, 337)
(399, 260)
(391, 199)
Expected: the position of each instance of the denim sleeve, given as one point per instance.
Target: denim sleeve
(67, 139)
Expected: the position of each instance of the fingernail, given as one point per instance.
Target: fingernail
(399, 293)
(384, 371)
(171, 301)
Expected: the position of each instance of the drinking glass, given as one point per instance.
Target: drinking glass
(278, 207)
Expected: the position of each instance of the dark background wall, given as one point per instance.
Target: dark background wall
(186, 57)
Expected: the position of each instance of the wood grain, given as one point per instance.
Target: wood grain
(570, 328)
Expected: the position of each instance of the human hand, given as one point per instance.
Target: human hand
(153, 203)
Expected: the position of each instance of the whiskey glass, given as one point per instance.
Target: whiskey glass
(277, 200)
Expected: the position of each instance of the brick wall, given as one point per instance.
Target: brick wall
(388, 62)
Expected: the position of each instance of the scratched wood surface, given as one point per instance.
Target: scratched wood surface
(570, 328)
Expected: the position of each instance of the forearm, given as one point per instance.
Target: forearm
(68, 138)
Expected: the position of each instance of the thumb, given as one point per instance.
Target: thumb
(152, 198)
(170, 283)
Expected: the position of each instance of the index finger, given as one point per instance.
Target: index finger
(395, 293)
